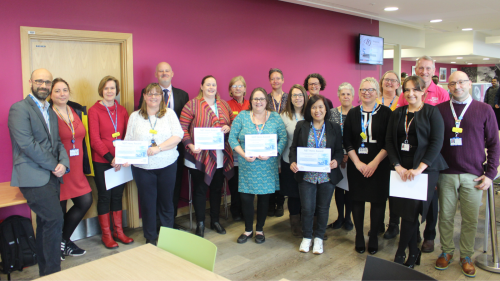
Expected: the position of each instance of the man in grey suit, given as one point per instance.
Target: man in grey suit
(40, 161)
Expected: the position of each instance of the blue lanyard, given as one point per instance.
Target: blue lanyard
(216, 110)
(318, 142)
(390, 103)
(115, 124)
(363, 126)
(341, 123)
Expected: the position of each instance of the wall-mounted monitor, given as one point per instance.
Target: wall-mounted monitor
(370, 50)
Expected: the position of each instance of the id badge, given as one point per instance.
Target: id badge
(115, 135)
(115, 141)
(363, 150)
(345, 152)
(74, 152)
(405, 147)
(154, 132)
(456, 141)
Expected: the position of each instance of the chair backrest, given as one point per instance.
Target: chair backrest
(379, 269)
(188, 246)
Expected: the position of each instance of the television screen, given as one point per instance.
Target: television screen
(371, 50)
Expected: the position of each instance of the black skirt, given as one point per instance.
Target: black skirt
(288, 185)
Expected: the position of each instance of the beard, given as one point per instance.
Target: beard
(40, 93)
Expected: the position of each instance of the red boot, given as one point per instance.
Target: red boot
(118, 229)
(107, 240)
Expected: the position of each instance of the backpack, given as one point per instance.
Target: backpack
(17, 244)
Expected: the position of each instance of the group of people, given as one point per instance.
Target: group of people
(420, 131)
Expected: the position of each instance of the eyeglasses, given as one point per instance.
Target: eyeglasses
(390, 80)
(370, 90)
(41, 82)
(259, 99)
(153, 94)
(275, 79)
(237, 86)
(460, 82)
(314, 84)
(297, 96)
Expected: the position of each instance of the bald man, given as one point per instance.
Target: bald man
(470, 126)
(174, 99)
(40, 161)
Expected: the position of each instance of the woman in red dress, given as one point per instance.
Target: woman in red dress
(75, 187)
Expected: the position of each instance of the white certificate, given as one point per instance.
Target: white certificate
(208, 138)
(313, 159)
(415, 189)
(261, 145)
(114, 179)
(132, 152)
(343, 183)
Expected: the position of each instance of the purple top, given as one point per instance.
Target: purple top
(480, 131)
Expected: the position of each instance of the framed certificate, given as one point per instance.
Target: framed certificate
(208, 138)
(313, 159)
(132, 152)
(261, 145)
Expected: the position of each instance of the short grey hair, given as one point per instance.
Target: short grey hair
(345, 85)
(374, 83)
(425, 58)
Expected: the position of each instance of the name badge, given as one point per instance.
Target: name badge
(457, 130)
(115, 135)
(235, 112)
(115, 141)
(154, 132)
(456, 141)
(405, 147)
(74, 152)
(363, 150)
(363, 135)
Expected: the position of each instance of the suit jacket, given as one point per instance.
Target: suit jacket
(180, 99)
(333, 135)
(35, 151)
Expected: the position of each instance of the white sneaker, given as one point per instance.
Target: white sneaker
(305, 245)
(318, 246)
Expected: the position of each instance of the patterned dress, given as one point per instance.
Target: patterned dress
(257, 177)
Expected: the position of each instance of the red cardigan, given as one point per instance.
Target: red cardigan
(101, 129)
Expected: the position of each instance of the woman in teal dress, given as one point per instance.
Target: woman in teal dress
(257, 175)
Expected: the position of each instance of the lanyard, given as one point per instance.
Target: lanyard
(457, 129)
(407, 125)
(69, 124)
(115, 124)
(152, 127)
(296, 119)
(279, 104)
(341, 122)
(391, 101)
(364, 124)
(259, 131)
(318, 142)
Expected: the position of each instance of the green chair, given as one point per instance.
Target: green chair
(188, 246)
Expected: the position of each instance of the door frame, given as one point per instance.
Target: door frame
(127, 80)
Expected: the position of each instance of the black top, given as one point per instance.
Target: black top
(412, 135)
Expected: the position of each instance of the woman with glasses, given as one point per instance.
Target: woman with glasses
(237, 90)
(367, 167)
(159, 126)
(314, 83)
(107, 125)
(293, 113)
(413, 141)
(339, 115)
(207, 167)
(257, 175)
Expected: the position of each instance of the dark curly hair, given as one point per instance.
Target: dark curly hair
(315, 75)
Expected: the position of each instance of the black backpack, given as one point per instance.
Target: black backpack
(17, 244)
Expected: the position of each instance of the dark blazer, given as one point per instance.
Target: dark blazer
(180, 100)
(35, 151)
(333, 135)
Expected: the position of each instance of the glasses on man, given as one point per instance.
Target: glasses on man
(237, 86)
(314, 84)
(390, 80)
(460, 82)
(259, 99)
(41, 82)
(153, 94)
(369, 90)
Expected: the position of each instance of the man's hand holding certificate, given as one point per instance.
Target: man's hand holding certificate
(313, 159)
(131, 152)
(261, 145)
(208, 138)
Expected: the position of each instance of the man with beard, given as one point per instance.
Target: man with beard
(40, 161)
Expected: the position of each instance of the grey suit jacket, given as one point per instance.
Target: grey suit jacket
(35, 151)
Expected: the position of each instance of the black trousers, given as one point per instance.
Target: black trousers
(377, 213)
(178, 178)
(106, 199)
(235, 194)
(342, 199)
(200, 189)
(156, 189)
(248, 210)
(408, 236)
(431, 219)
(45, 202)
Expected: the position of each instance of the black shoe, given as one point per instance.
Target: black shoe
(413, 260)
(260, 238)
(243, 238)
(348, 225)
(400, 259)
(392, 231)
(373, 245)
(279, 211)
(337, 224)
(73, 250)
(200, 229)
(216, 225)
(63, 249)
(152, 242)
(237, 217)
(359, 245)
(271, 211)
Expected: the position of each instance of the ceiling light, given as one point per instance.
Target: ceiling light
(486, 58)
(459, 58)
(453, 62)
(391, 9)
(436, 20)
(466, 29)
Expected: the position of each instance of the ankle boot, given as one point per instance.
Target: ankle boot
(296, 225)
(118, 229)
(107, 240)
(200, 229)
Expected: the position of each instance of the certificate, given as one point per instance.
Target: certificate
(415, 189)
(313, 159)
(261, 145)
(132, 152)
(113, 179)
(208, 138)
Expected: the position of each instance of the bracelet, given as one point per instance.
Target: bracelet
(159, 147)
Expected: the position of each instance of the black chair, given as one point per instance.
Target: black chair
(379, 269)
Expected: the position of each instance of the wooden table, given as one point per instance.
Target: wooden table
(10, 196)
(145, 262)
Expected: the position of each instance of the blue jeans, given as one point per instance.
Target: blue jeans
(315, 198)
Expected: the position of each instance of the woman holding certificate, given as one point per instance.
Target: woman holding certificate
(316, 187)
(107, 124)
(368, 166)
(413, 141)
(293, 113)
(159, 126)
(258, 174)
(208, 167)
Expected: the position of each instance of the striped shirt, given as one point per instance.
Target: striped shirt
(44, 108)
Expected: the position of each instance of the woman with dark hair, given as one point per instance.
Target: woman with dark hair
(367, 167)
(73, 127)
(413, 141)
(315, 83)
(257, 175)
(293, 113)
(108, 123)
(207, 167)
(159, 126)
(316, 188)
